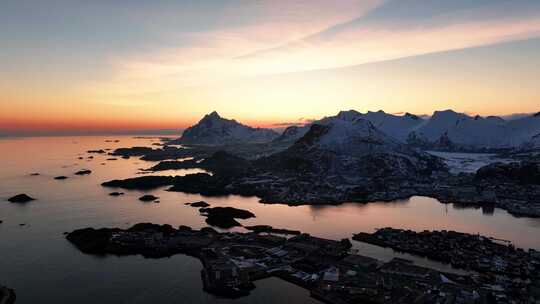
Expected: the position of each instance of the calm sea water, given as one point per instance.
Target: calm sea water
(43, 267)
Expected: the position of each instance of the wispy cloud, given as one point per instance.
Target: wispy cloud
(312, 35)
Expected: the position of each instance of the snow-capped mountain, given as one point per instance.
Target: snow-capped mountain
(461, 129)
(449, 129)
(443, 130)
(351, 147)
(458, 129)
(395, 126)
(354, 137)
(212, 129)
(523, 130)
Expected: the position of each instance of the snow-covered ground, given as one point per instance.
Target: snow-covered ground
(467, 162)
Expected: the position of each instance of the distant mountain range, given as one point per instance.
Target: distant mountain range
(444, 130)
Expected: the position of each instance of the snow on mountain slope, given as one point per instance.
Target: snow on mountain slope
(461, 129)
(212, 129)
(523, 130)
(351, 149)
(443, 129)
(395, 126)
(479, 132)
(355, 137)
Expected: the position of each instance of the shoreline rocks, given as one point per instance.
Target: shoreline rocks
(225, 217)
(201, 204)
(83, 172)
(270, 229)
(148, 198)
(21, 198)
(141, 183)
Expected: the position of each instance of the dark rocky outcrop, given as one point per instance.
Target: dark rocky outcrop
(224, 163)
(270, 229)
(148, 198)
(61, 177)
(174, 165)
(141, 183)
(166, 153)
(133, 151)
(221, 162)
(100, 151)
(225, 217)
(83, 172)
(98, 241)
(90, 240)
(222, 222)
(201, 204)
(101, 241)
(227, 211)
(21, 198)
(116, 193)
(201, 183)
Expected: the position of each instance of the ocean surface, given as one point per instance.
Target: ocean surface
(37, 261)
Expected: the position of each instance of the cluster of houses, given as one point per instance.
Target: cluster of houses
(333, 273)
(498, 266)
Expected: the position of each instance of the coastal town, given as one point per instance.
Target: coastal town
(330, 269)
(503, 265)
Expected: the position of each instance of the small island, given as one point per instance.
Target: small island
(21, 198)
(148, 198)
(225, 217)
(83, 172)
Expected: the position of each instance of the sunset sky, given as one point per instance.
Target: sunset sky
(96, 65)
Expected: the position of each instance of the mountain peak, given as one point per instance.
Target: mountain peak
(214, 114)
(445, 112)
(349, 115)
(411, 116)
(380, 112)
(212, 129)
